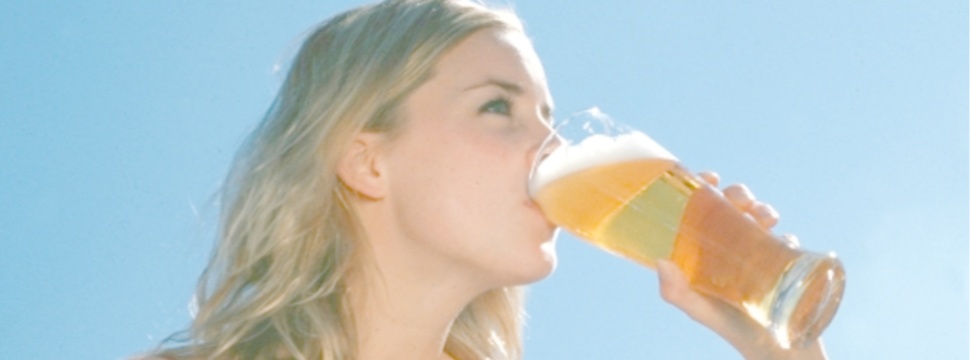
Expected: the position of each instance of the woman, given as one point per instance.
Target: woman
(380, 210)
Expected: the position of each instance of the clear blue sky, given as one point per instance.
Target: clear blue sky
(118, 120)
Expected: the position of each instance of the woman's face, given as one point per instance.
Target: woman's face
(460, 164)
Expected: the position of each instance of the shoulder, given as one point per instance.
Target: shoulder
(157, 357)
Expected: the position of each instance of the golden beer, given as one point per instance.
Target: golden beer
(650, 208)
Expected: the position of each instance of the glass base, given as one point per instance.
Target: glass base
(806, 299)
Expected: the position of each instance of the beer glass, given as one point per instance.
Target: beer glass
(618, 189)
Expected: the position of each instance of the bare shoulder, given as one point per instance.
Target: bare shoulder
(173, 353)
(154, 357)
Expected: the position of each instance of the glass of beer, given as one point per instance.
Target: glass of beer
(618, 189)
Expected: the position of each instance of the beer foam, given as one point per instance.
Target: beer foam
(596, 150)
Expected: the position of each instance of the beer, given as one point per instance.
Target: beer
(631, 197)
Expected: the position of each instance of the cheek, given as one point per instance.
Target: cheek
(476, 180)
(479, 183)
(464, 175)
(443, 175)
(480, 159)
(492, 170)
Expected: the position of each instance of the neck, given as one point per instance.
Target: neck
(399, 319)
(406, 297)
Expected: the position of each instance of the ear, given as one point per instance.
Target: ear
(360, 167)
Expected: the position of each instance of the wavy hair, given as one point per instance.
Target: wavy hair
(288, 238)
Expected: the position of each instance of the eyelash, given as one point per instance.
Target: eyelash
(503, 100)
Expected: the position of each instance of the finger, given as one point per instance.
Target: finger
(710, 177)
(790, 240)
(764, 214)
(740, 196)
(728, 322)
(675, 289)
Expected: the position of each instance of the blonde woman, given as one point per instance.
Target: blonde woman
(380, 210)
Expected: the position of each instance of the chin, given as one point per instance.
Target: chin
(549, 251)
(542, 264)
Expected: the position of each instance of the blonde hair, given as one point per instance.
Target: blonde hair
(275, 285)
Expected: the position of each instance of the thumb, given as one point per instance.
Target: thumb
(675, 289)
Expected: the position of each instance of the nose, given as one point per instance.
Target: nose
(550, 143)
(547, 141)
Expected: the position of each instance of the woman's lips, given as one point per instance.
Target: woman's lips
(535, 207)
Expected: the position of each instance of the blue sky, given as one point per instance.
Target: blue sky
(118, 120)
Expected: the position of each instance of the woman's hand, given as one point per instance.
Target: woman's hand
(751, 339)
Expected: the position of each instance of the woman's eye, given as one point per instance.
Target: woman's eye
(497, 106)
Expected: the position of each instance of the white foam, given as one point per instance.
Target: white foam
(593, 151)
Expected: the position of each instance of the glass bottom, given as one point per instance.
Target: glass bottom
(805, 299)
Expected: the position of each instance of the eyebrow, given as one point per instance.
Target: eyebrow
(514, 89)
(505, 85)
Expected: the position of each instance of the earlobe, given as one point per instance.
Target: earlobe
(360, 168)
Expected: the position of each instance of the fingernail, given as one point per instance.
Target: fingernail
(791, 241)
(739, 194)
(768, 211)
(710, 177)
(745, 193)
